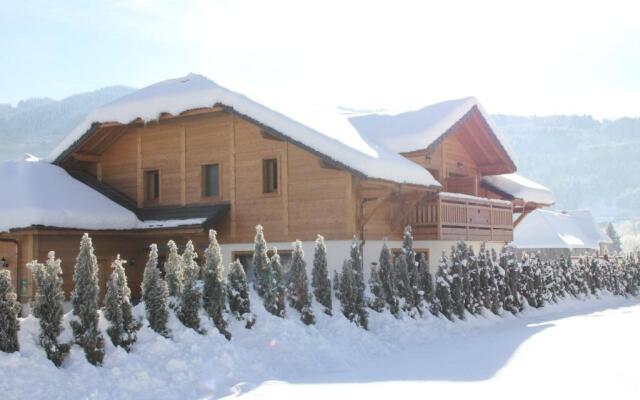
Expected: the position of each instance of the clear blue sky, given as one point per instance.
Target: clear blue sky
(537, 58)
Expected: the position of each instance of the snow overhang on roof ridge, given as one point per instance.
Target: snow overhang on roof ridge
(546, 229)
(318, 129)
(521, 188)
(420, 128)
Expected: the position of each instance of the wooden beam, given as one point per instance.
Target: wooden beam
(520, 218)
(269, 136)
(183, 166)
(86, 157)
(140, 183)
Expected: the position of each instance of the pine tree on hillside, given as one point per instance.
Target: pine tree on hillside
(298, 285)
(213, 295)
(376, 303)
(173, 273)
(47, 306)
(616, 246)
(388, 278)
(190, 300)
(443, 302)
(359, 287)
(118, 311)
(84, 300)
(346, 291)
(280, 284)
(238, 294)
(155, 294)
(9, 313)
(320, 276)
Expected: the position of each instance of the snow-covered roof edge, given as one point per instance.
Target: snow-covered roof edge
(326, 134)
(521, 188)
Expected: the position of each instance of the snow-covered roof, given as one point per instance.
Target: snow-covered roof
(585, 220)
(39, 193)
(545, 229)
(322, 129)
(417, 130)
(468, 197)
(521, 188)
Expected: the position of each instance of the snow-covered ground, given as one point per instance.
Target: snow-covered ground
(576, 349)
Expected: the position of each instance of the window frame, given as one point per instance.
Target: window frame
(278, 175)
(203, 181)
(145, 174)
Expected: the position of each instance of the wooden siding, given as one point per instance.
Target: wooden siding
(312, 198)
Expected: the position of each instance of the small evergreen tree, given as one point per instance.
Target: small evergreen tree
(263, 279)
(191, 299)
(376, 303)
(616, 246)
(298, 286)
(512, 301)
(403, 284)
(388, 278)
(443, 303)
(155, 294)
(213, 296)
(320, 276)
(84, 300)
(238, 294)
(173, 273)
(9, 313)
(346, 291)
(359, 299)
(425, 283)
(118, 310)
(415, 296)
(280, 284)
(457, 286)
(47, 307)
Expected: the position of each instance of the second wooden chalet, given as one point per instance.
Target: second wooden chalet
(177, 158)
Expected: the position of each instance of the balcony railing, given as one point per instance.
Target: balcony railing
(453, 216)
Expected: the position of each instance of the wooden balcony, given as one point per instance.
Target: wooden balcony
(461, 217)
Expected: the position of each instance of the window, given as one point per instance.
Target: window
(152, 185)
(211, 180)
(270, 176)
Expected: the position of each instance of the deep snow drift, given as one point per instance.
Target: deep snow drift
(334, 357)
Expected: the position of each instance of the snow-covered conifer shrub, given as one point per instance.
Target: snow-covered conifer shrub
(47, 307)
(388, 278)
(173, 274)
(213, 294)
(191, 298)
(238, 294)
(347, 301)
(416, 294)
(123, 327)
(155, 294)
(376, 303)
(298, 285)
(457, 284)
(263, 276)
(359, 286)
(425, 283)
(9, 313)
(280, 284)
(443, 303)
(320, 276)
(336, 284)
(84, 300)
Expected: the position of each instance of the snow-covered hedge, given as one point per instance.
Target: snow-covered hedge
(401, 288)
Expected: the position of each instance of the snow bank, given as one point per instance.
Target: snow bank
(193, 366)
(39, 193)
(521, 188)
(322, 129)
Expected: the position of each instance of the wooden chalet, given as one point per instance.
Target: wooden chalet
(183, 156)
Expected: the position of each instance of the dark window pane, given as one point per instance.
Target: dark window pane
(152, 185)
(211, 177)
(270, 175)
